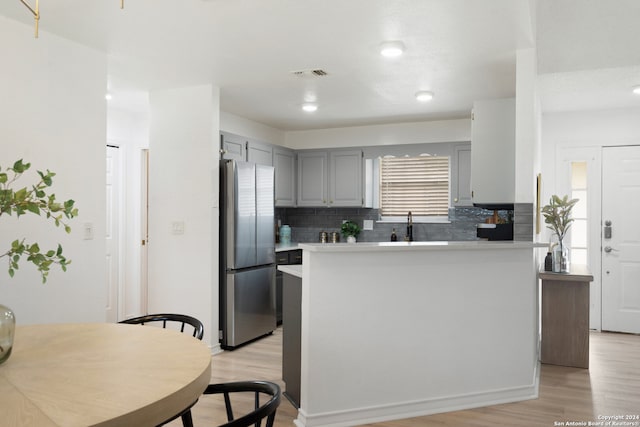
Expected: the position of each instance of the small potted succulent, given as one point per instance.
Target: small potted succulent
(351, 230)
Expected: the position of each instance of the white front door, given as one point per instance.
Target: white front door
(113, 233)
(621, 251)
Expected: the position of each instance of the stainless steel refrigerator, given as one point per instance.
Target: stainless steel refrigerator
(247, 252)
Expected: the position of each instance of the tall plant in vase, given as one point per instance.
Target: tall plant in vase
(557, 216)
(36, 200)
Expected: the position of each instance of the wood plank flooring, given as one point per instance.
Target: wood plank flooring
(610, 387)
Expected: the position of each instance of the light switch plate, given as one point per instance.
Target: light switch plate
(177, 227)
(87, 231)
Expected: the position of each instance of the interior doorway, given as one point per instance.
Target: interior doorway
(112, 233)
(144, 227)
(620, 244)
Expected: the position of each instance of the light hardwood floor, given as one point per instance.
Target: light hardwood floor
(610, 387)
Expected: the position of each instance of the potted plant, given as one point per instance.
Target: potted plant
(22, 201)
(557, 216)
(351, 230)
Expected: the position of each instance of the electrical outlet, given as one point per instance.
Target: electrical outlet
(367, 224)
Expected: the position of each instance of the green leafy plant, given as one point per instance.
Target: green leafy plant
(34, 200)
(557, 215)
(350, 228)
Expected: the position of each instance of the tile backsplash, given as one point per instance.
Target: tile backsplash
(307, 223)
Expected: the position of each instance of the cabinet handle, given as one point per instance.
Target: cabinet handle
(455, 200)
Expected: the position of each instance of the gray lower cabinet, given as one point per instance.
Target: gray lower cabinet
(291, 342)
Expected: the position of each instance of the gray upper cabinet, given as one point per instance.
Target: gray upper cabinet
(345, 178)
(233, 147)
(312, 178)
(330, 178)
(461, 176)
(236, 147)
(284, 161)
(260, 153)
(493, 138)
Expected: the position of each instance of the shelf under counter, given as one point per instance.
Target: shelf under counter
(294, 270)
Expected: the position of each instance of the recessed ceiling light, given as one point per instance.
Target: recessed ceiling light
(636, 90)
(392, 49)
(424, 96)
(309, 107)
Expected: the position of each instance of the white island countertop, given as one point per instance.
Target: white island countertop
(419, 246)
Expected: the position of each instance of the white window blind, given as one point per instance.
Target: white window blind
(416, 184)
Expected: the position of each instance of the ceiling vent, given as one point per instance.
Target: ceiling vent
(310, 73)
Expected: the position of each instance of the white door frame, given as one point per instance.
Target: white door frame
(593, 156)
(144, 231)
(116, 313)
(562, 185)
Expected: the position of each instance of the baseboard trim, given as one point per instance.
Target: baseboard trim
(418, 408)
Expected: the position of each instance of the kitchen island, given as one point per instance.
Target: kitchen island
(396, 330)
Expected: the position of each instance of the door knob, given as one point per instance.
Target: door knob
(608, 249)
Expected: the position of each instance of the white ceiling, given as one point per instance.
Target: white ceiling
(462, 50)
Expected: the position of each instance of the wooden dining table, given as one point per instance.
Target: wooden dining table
(100, 374)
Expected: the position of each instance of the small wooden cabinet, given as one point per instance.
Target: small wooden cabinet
(330, 178)
(565, 317)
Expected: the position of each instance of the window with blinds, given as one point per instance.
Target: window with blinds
(416, 184)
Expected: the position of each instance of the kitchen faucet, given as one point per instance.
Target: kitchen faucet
(409, 236)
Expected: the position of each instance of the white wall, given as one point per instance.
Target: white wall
(527, 118)
(183, 178)
(53, 114)
(388, 134)
(250, 129)
(584, 129)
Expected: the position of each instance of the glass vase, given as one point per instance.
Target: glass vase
(7, 329)
(561, 258)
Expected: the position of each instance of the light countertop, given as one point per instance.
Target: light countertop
(280, 247)
(577, 273)
(419, 246)
(294, 269)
